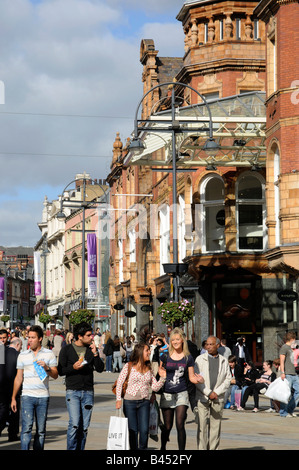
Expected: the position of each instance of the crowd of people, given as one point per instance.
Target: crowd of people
(168, 374)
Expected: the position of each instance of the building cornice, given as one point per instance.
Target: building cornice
(268, 8)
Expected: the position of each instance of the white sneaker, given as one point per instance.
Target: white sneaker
(270, 410)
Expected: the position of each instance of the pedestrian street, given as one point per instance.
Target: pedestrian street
(240, 430)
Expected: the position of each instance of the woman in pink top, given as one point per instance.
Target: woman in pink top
(141, 384)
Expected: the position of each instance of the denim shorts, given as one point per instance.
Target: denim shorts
(172, 400)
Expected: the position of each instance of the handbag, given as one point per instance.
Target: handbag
(125, 384)
(118, 433)
(122, 352)
(153, 419)
(279, 390)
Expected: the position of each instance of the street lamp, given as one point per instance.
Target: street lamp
(44, 253)
(83, 204)
(176, 126)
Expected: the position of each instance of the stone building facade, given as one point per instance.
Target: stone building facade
(227, 224)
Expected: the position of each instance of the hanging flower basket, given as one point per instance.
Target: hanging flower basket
(44, 318)
(81, 316)
(176, 313)
(5, 318)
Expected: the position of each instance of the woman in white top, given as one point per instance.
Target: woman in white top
(141, 384)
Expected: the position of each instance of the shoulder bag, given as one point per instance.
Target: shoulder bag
(125, 384)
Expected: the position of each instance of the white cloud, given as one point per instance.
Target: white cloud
(62, 62)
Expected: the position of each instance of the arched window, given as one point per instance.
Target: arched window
(251, 212)
(181, 228)
(213, 214)
(121, 261)
(277, 195)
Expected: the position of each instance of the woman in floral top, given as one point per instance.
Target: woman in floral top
(141, 384)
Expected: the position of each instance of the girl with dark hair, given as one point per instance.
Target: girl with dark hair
(261, 384)
(141, 382)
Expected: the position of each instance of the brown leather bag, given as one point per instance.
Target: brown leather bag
(125, 384)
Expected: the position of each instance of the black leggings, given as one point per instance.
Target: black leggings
(252, 390)
(180, 418)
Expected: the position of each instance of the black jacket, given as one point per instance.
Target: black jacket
(238, 374)
(8, 370)
(235, 352)
(251, 376)
(109, 347)
(78, 379)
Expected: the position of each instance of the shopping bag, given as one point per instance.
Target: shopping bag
(279, 390)
(118, 433)
(153, 420)
(238, 394)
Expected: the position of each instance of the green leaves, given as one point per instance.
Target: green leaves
(176, 312)
(81, 316)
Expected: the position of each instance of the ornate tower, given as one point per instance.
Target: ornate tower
(224, 47)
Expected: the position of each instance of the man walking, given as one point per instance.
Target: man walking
(34, 367)
(210, 395)
(288, 372)
(77, 361)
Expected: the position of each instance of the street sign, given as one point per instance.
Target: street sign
(287, 295)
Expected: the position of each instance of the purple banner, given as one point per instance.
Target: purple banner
(37, 274)
(2, 286)
(92, 264)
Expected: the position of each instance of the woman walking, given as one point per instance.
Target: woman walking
(108, 351)
(179, 365)
(117, 357)
(141, 382)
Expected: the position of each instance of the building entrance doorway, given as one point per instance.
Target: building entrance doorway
(237, 313)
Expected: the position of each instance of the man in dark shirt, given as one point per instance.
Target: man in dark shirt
(77, 362)
(8, 370)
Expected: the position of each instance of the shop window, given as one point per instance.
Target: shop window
(251, 212)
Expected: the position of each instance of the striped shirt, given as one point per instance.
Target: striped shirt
(33, 386)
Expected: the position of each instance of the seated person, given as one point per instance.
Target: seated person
(259, 384)
(236, 380)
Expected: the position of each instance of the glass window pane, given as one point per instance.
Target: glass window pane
(214, 190)
(250, 227)
(250, 188)
(250, 214)
(215, 222)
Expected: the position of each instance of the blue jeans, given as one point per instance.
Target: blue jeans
(137, 412)
(117, 361)
(109, 363)
(288, 408)
(34, 407)
(79, 405)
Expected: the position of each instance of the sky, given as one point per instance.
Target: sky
(71, 75)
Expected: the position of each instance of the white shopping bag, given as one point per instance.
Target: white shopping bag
(118, 433)
(279, 390)
(153, 420)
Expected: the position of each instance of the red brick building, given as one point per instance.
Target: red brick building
(226, 224)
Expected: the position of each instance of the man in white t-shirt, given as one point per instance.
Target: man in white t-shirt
(34, 367)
